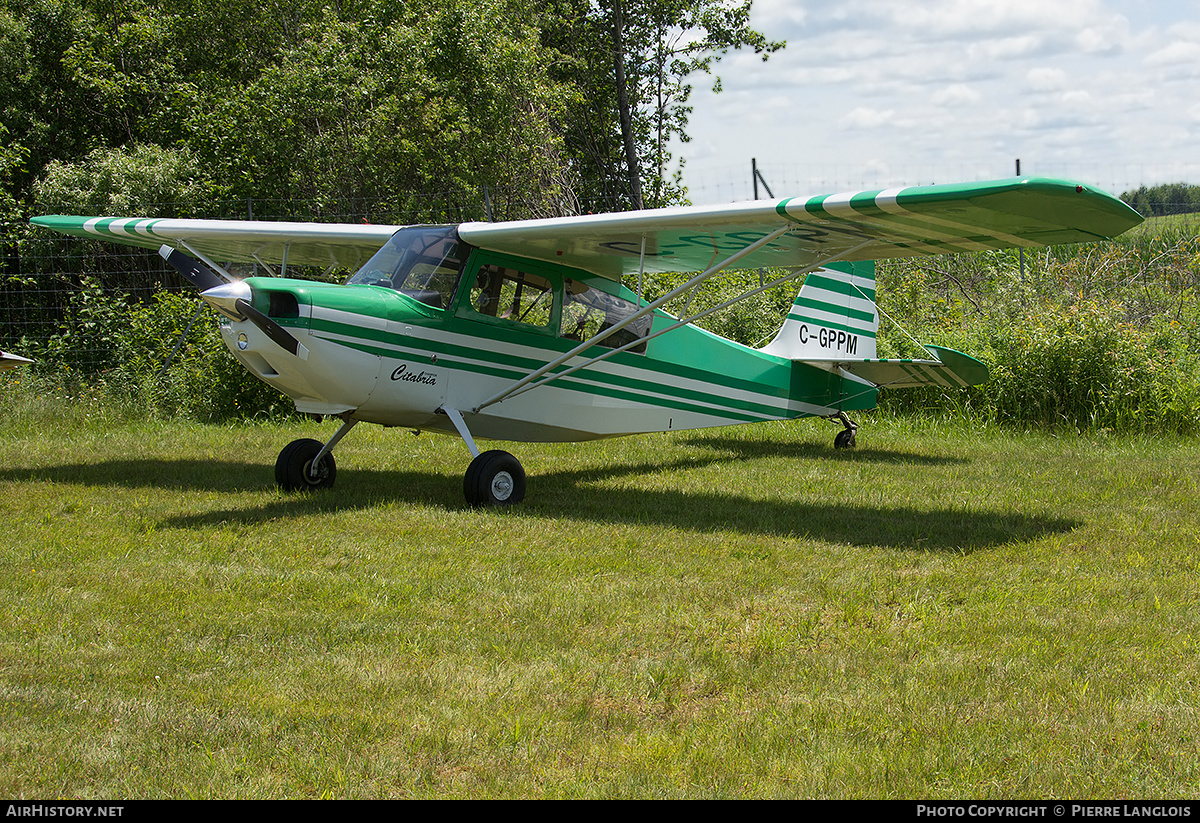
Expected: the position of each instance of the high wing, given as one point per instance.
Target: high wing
(11, 361)
(868, 225)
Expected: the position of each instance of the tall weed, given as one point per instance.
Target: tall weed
(1090, 337)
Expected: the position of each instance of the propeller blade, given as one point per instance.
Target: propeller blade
(231, 299)
(196, 273)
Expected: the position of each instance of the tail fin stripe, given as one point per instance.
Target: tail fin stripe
(860, 287)
(843, 312)
(833, 317)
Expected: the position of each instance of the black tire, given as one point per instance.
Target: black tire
(494, 478)
(292, 469)
(844, 439)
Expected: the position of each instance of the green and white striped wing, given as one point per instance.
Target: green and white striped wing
(868, 225)
(321, 245)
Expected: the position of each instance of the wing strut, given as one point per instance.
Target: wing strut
(637, 315)
(792, 275)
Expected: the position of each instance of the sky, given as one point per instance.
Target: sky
(871, 94)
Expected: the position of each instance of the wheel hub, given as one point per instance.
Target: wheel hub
(502, 486)
(314, 474)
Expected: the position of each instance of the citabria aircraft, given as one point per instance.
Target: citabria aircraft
(536, 330)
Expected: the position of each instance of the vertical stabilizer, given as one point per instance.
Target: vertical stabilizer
(834, 317)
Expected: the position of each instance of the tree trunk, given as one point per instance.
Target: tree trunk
(631, 159)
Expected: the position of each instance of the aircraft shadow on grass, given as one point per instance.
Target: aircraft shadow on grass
(751, 449)
(591, 494)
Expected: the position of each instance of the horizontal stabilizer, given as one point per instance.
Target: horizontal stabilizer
(952, 369)
(10, 361)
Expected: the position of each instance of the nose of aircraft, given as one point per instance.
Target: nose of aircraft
(226, 298)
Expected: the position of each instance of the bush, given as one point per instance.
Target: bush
(173, 361)
(1087, 369)
(164, 355)
(1096, 337)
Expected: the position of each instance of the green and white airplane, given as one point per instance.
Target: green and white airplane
(536, 330)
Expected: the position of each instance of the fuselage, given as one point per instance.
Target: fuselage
(397, 345)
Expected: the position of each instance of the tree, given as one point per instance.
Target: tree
(562, 106)
(298, 103)
(632, 61)
(1171, 198)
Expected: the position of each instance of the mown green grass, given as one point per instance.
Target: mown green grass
(946, 612)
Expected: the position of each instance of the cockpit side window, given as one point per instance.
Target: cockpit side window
(511, 294)
(587, 312)
(424, 262)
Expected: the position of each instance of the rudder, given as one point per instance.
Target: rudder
(834, 316)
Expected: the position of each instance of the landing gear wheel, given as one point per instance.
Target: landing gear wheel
(294, 469)
(844, 439)
(494, 478)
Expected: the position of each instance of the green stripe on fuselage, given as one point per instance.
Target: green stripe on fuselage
(483, 358)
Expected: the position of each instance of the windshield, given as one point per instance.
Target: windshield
(423, 262)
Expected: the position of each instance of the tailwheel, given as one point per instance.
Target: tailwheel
(294, 470)
(494, 478)
(845, 438)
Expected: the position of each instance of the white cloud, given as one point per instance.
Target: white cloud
(958, 94)
(1110, 37)
(973, 81)
(1178, 52)
(1046, 79)
(868, 118)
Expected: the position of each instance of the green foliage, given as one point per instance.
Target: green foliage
(144, 180)
(311, 103)
(85, 341)
(1159, 201)
(1088, 369)
(751, 322)
(428, 97)
(172, 361)
(1094, 337)
(164, 356)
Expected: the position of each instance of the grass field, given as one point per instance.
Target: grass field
(942, 613)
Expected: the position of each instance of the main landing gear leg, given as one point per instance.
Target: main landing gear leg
(494, 478)
(305, 464)
(845, 438)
